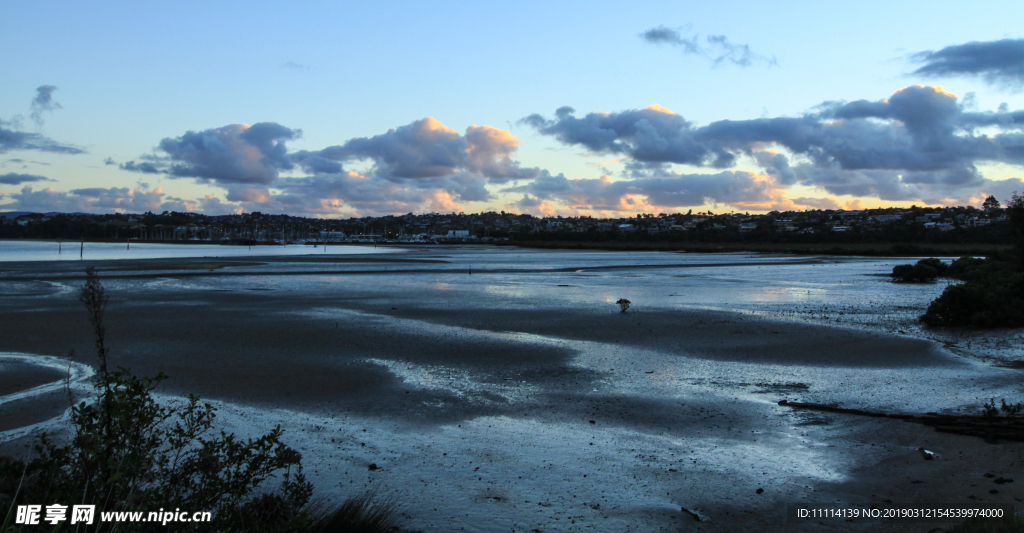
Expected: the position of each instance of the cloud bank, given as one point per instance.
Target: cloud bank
(918, 144)
(421, 165)
(921, 144)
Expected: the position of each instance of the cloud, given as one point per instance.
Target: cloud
(666, 190)
(997, 62)
(18, 179)
(717, 48)
(419, 165)
(532, 206)
(428, 149)
(357, 193)
(663, 35)
(92, 200)
(234, 154)
(144, 167)
(43, 102)
(11, 138)
(916, 144)
(292, 65)
(816, 203)
(109, 161)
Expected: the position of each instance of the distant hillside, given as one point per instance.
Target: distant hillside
(14, 214)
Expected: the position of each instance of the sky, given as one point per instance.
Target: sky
(607, 109)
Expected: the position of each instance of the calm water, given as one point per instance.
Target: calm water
(73, 251)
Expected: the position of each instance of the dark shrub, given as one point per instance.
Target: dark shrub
(985, 303)
(924, 270)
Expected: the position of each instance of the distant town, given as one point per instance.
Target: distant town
(936, 224)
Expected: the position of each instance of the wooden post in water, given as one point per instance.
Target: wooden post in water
(129, 243)
(60, 244)
(81, 253)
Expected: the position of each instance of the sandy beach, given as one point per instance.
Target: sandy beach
(498, 393)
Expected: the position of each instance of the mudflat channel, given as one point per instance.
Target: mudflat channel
(502, 389)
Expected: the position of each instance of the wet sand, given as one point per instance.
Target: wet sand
(493, 412)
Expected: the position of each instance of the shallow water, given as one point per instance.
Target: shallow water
(21, 250)
(488, 449)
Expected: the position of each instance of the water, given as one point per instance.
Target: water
(19, 250)
(466, 443)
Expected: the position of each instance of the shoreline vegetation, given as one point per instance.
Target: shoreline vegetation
(992, 292)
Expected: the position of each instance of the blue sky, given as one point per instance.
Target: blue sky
(117, 84)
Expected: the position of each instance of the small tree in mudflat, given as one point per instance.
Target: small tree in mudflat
(623, 304)
(127, 452)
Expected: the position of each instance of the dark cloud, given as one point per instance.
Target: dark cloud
(235, 154)
(43, 102)
(18, 179)
(717, 48)
(663, 35)
(11, 138)
(144, 167)
(998, 62)
(109, 161)
(918, 142)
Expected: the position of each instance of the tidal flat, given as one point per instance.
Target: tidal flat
(501, 389)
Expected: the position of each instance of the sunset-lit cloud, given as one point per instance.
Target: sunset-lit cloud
(422, 165)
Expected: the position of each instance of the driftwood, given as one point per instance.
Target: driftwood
(990, 428)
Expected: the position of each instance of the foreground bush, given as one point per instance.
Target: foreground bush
(130, 453)
(992, 294)
(990, 302)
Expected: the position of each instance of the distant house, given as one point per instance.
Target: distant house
(626, 228)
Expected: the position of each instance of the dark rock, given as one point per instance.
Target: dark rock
(373, 466)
